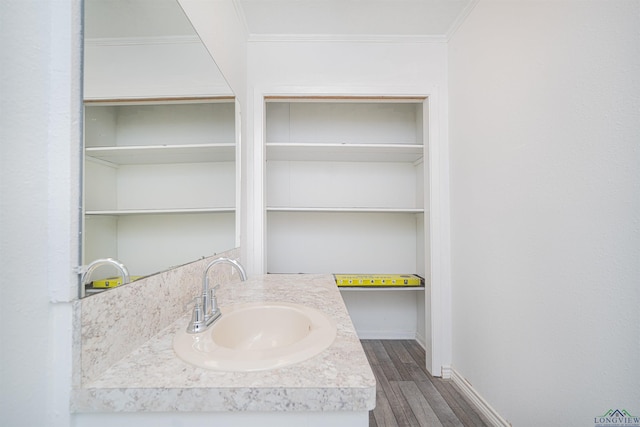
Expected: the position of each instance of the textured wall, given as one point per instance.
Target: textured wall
(545, 173)
(39, 157)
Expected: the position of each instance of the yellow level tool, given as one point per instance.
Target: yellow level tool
(111, 282)
(391, 280)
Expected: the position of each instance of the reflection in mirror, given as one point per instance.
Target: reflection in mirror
(159, 142)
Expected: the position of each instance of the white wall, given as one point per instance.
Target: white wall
(162, 67)
(39, 157)
(545, 173)
(348, 66)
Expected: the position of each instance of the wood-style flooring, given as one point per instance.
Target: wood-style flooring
(406, 395)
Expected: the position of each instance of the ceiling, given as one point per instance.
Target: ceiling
(104, 19)
(287, 19)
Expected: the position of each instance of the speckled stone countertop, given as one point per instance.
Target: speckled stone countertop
(152, 378)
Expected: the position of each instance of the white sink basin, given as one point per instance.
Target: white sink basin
(258, 336)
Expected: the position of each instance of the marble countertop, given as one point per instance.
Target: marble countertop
(152, 378)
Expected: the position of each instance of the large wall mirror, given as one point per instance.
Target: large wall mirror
(159, 184)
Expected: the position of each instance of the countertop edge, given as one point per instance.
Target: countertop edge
(99, 400)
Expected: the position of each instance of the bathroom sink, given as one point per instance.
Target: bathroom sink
(258, 336)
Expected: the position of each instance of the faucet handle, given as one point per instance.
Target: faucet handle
(198, 312)
(197, 317)
(213, 300)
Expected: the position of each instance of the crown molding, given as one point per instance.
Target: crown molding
(129, 41)
(241, 17)
(460, 19)
(351, 38)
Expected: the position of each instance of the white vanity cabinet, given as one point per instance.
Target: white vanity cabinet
(159, 184)
(346, 192)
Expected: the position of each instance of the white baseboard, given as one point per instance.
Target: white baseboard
(474, 397)
(421, 340)
(386, 335)
(446, 372)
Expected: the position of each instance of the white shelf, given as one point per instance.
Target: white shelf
(348, 152)
(122, 212)
(163, 154)
(343, 209)
(381, 288)
(101, 102)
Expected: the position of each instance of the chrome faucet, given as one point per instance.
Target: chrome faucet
(99, 263)
(206, 309)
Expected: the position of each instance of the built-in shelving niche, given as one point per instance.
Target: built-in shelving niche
(347, 192)
(159, 180)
